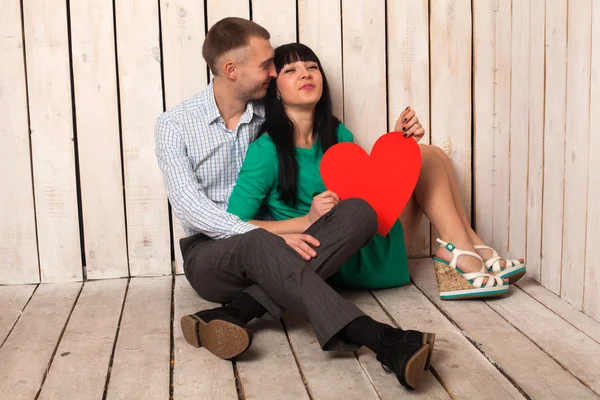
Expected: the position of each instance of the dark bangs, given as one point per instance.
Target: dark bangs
(293, 52)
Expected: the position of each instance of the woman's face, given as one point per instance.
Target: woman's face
(300, 84)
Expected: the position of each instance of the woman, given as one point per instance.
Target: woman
(281, 173)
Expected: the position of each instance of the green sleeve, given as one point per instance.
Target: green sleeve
(256, 179)
(343, 134)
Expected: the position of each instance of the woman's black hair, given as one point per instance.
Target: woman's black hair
(281, 128)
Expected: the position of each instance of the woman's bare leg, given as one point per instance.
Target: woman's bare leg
(433, 196)
(458, 204)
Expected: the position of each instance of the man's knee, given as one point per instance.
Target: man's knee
(361, 212)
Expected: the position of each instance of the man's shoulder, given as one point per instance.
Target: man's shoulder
(186, 112)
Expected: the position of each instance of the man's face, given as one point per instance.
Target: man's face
(257, 70)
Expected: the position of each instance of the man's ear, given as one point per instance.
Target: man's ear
(229, 69)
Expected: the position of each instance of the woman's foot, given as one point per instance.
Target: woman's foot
(455, 283)
(466, 264)
(513, 270)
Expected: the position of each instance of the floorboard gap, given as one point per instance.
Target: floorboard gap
(238, 382)
(472, 341)
(112, 354)
(558, 315)
(368, 376)
(172, 363)
(297, 360)
(19, 317)
(58, 342)
(536, 344)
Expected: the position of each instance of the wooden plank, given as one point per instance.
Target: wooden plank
(270, 356)
(19, 262)
(535, 186)
(386, 384)
(575, 317)
(450, 49)
(484, 116)
(408, 83)
(465, 372)
(278, 17)
(218, 9)
(533, 370)
(140, 83)
(554, 143)
(572, 349)
(51, 127)
(519, 131)
(576, 150)
(12, 301)
(141, 359)
(84, 352)
(364, 50)
(27, 352)
(591, 296)
(501, 138)
(328, 375)
(182, 24)
(197, 373)
(98, 140)
(318, 22)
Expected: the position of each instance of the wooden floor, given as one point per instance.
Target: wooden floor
(121, 339)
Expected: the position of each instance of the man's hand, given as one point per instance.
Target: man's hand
(300, 242)
(408, 123)
(321, 205)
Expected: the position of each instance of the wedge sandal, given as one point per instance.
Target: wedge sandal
(454, 284)
(513, 270)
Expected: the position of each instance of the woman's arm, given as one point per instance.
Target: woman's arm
(293, 225)
(256, 179)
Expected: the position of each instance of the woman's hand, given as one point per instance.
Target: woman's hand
(321, 205)
(408, 122)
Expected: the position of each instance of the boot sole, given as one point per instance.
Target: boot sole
(224, 339)
(415, 367)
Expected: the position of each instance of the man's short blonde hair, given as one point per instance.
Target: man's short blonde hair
(229, 34)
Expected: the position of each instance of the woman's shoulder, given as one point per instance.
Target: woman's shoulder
(262, 150)
(344, 134)
(263, 143)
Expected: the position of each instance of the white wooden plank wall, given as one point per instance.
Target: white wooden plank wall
(183, 32)
(98, 138)
(519, 128)
(52, 140)
(363, 47)
(451, 106)
(554, 143)
(576, 150)
(408, 82)
(591, 295)
(508, 89)
(19, 261)
(318, 21)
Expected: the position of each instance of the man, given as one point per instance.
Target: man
(200, 146)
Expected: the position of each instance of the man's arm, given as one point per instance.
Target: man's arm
(190, 204)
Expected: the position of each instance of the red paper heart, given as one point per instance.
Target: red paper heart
(386, 179)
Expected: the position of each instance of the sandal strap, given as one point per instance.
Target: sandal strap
(493, 262)
(458, 252)
(476, 278)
